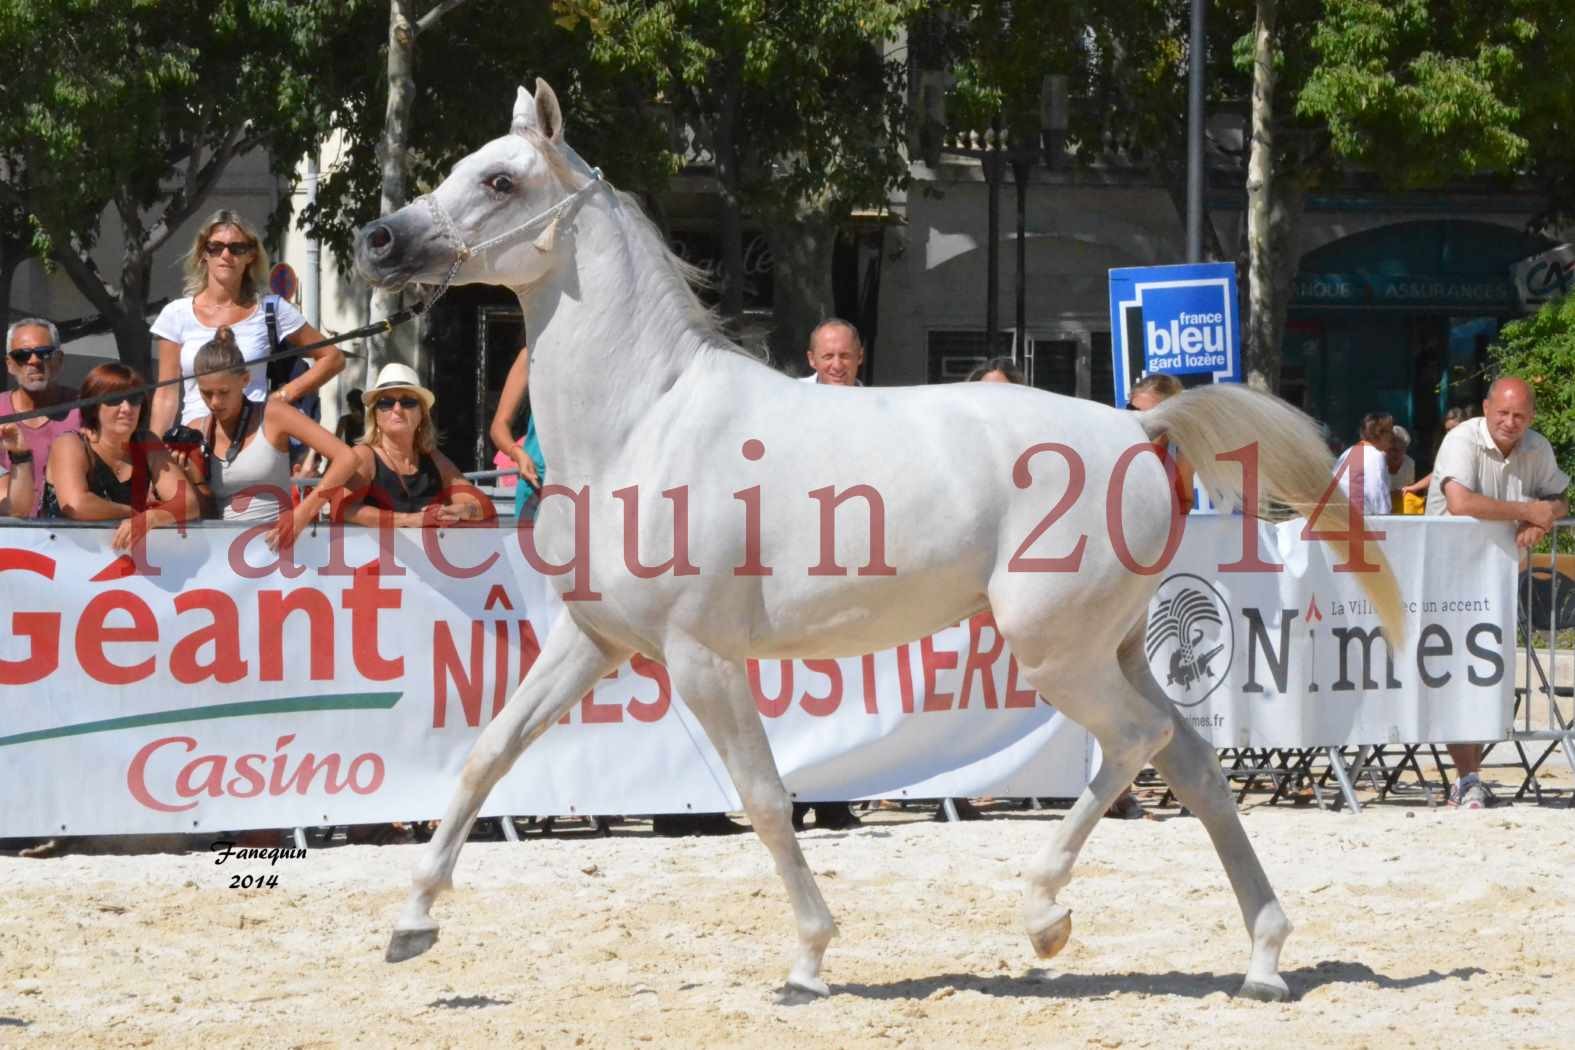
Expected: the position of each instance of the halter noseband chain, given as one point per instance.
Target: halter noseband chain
(567, 207)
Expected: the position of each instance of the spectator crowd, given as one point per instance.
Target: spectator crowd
(225, 435)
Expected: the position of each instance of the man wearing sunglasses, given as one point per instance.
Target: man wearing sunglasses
(34, 360)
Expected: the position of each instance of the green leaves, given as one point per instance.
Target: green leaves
(1428, 92)
(1541, 350)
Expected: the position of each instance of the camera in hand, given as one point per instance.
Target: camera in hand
(181, 436)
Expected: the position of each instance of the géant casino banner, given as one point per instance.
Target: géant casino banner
(209, 689)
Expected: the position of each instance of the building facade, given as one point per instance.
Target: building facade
(1395, 300)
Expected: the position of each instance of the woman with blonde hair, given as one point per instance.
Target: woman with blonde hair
(226, 282)
(244, 465)
(400, 471)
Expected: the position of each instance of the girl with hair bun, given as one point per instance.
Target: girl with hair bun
(243, 468)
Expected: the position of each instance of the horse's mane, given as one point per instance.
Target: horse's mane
(684, 278)
(679, 279)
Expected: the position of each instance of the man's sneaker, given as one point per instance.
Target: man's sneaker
(1470, 793)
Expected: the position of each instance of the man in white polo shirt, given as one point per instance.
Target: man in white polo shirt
(1498, 469)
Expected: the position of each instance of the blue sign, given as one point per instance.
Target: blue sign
(1182, 320)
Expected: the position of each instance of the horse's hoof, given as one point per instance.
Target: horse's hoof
(800, 991)
(407, 944)
(1273, 990)
(1050, 936)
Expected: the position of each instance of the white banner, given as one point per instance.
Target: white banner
(228, 692)
(224, 691)
(1293, 658)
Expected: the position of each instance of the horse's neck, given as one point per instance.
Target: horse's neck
(609, 335)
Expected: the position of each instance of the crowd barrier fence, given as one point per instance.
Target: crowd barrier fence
(906, 718)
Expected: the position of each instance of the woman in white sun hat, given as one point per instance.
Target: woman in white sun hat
(399, 468)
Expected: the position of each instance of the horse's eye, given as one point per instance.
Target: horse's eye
(500, 184)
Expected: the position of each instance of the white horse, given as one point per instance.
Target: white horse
(645, 408)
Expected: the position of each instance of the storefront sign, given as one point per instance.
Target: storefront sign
(1359, 289)
(1543, 278)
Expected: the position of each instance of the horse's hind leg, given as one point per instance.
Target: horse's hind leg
(717, 692)
(1129, 731)
(1191, 768)
(570, 664)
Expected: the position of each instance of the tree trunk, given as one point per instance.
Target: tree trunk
(12, 252)
(132, 348)
(133, 340)
(802, 296)
(1266, 307)
(730, 218)
(398, 345)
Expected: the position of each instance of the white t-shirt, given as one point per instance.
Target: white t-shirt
(1469, 456)
(1375, 478)
(1406, 475)
(177, 323)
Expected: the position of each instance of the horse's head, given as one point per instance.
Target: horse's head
(495, 219)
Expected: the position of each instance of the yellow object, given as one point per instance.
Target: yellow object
(1411, 503)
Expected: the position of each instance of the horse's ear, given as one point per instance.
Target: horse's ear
(549, 116)
(524, 113)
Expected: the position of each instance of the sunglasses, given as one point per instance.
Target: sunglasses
(409, 404)
(120, 399)
(239, 249)
(43, 353)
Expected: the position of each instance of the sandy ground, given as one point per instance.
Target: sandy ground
(1416, 927)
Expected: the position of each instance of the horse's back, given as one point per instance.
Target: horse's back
(881, 513)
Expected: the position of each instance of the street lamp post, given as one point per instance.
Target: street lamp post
(1196, 58)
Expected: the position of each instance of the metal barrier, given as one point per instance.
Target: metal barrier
(502, 498)
(1542, 722)
(1545, 662)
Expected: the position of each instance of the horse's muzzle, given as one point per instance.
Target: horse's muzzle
(377, 252)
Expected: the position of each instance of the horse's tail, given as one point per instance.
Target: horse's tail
(1294, 469)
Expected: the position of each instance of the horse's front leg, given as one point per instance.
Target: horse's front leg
(570, 664)
(717, 692)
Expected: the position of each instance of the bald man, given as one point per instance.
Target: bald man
(1498, 469)
(836, 353)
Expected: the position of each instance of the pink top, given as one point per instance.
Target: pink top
(38, 438)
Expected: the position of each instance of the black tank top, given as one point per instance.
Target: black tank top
(102, 482)
(405, 493)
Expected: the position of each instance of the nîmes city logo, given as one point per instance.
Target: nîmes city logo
(1190, 639)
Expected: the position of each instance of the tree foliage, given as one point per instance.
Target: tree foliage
(1426, 92)
(466, 71)
(135, 110)
(794, 102)
(1541, 350)
(820, 110)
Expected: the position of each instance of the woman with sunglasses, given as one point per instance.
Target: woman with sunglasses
(34, 360)
(244, 470)
(226, 278)
(401, 470)
(116, 470)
